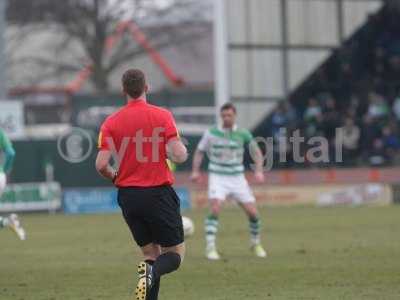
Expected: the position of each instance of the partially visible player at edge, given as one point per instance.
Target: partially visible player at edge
(144, 136)
(225, 147)
(8, 153)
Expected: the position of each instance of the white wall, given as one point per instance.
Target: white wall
(255, 38)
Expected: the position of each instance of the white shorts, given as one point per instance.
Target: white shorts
(3, 182)
(236, 186)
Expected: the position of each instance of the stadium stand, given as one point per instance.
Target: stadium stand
(357, 89)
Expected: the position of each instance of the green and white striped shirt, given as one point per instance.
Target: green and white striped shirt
(225, 149)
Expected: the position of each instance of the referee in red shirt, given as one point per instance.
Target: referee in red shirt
(140, 138)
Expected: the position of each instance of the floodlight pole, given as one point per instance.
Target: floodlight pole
(3, 92)
(220, 55)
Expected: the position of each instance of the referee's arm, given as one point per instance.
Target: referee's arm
(177, 151)
(103, 165)
(104, 156)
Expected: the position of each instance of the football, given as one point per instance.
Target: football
(188, 226)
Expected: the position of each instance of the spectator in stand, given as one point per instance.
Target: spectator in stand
(312, 117)
(313, 111)
(330, 119)
(378, 108)
(349, 136)
(353, 109)
(365, 75)
(291, 115)
(278, 120)
(377, 155)
(391, 142)
(369, 132)
(283, 117)
(396, 109)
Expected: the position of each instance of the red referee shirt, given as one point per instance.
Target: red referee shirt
(138, 134)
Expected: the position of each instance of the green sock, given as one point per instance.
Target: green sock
(255, 226)
(211, 228)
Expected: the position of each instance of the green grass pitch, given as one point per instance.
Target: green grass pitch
(314, 253)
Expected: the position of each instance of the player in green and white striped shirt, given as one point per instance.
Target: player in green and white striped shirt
(225, 147)
(8, 154)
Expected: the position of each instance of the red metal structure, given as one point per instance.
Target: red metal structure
(140, 37)
(57, 100)
(50, 104)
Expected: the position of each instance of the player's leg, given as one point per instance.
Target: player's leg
(150, 253)
(3, 220)
(146, 288)
(169, 260)
(134, 207)
(217, 192)
(12, 221)
(167, 231)
(15, 225)
(254, 227)
(142, 235)
(162, 264)
(211, 224)
(3, 181)
(245, 197)
(153, 268)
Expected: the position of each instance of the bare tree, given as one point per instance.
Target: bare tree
(86, 24)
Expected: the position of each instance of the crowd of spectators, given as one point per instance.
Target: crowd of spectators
(358, 91)
(369, 135)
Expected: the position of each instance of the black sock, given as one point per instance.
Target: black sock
(153, 295)
(149, 261)
(166, 263)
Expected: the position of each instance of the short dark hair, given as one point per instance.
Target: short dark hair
(228, 106)
(134, 83)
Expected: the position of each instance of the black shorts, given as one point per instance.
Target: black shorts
(152, 214)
